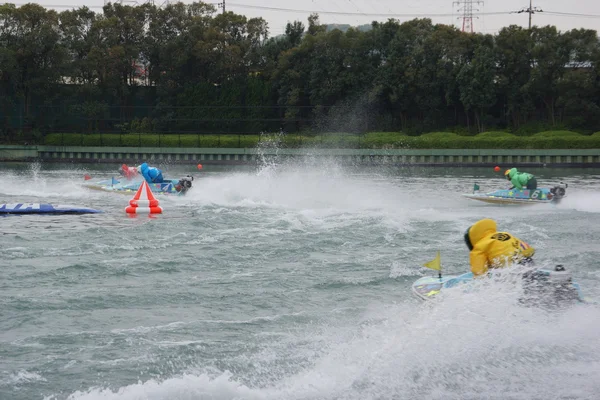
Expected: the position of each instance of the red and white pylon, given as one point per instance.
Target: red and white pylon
(144, 202)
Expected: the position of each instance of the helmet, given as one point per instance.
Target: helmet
(468, 239)
(478, 231)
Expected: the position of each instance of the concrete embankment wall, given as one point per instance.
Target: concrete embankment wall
(424, 157)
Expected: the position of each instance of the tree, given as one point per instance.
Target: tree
(513, 54)
(33, 58)
(476, 84)
(294, 32)
(550, 56)
(579, 88)
(314, 26)
(185, 67)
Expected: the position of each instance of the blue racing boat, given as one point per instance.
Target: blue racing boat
(524, 196)
(167, 187)
(550, 287)
(37, 208)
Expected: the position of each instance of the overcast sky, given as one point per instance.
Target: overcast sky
(491, 14)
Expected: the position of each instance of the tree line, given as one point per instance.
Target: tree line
(186, 68)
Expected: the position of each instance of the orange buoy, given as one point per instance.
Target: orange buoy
(144, 202)
(143, 210)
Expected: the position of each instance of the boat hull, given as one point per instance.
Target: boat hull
(429, 287)
(35, 208)
(490, 198)
(168, 187)
(524, 196)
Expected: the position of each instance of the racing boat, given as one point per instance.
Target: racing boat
(544, 287)
(36, 208)
(167, 187)
(524, 196)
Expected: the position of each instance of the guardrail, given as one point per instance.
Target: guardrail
(425, 157)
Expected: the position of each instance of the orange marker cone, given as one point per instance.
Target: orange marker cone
(144, 202)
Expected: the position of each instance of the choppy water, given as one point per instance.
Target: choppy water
(286, 282)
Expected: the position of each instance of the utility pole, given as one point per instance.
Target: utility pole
(531, 10)
(222, 5)
(466, 7)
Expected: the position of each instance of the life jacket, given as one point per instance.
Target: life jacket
(492, 249)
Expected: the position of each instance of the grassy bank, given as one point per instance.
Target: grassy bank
(373, 140)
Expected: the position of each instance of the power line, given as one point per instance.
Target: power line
(336, 4)
(290, 10)
(74, 6)
(355, 6)
(338, 21)
(384, 6)
(54, 5)
(566, 14)
(357, 9)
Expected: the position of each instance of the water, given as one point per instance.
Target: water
(286, 282)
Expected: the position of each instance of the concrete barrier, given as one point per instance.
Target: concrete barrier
(18, 153)
(419, 157)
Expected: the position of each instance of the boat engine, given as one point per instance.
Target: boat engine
(550, 288)
(184, 184)
(559, 191)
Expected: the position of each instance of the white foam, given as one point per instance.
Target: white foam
(21, 377)
(186, 387)
(585, 201)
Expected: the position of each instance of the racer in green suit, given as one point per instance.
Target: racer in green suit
(521, 180)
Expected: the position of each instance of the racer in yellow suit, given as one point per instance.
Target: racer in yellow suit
(492, 249)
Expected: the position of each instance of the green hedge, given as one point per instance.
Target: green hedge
(494, 134)
(374, 140)
(553, 134)
(506, 143)
(439, 135)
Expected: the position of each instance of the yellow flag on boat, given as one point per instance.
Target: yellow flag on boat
(436, 263)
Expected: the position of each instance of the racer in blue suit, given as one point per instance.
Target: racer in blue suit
(150, 174)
